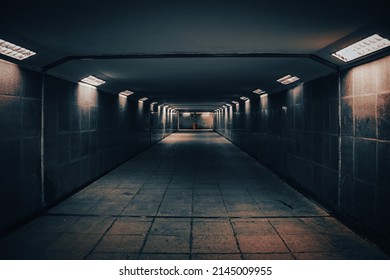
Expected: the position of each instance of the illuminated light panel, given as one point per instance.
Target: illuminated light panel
(361, 48)
(228, 105)
(258, 91)
(264, 95)
(223, 106)
(92, 80)
(126, 93)
(244, 98)
(288, 79)
(154, 103)
(235, 102)
(143, 99)
(14, 51)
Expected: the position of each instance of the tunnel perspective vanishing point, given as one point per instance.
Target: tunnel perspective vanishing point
(194, 130)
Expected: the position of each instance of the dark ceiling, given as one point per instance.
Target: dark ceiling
(193, 55)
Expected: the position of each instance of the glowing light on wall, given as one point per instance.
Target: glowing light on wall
(93, 81)
(86, 95)
(235, 102)
(361, 48)
(288, 79)
(264, 95)
(143, 99)
(244, 98)
(14, 51)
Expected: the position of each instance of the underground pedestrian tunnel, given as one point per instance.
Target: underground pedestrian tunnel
(194, 130)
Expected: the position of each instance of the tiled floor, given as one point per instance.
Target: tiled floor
(192, 196)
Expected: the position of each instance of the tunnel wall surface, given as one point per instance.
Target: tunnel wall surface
(20, 130)
(330, 137)
(86, 133)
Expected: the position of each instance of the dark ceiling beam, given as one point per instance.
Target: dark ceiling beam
(191, 55)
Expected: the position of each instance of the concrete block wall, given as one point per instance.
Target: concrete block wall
(20, 130)
(335, 147)
(365, 146)
(86, 133)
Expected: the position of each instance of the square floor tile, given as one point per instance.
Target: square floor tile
(130, 226)
(261, 244)
(214, 244)
(120, 244)
(212, 227)
(167, 244)
(91, 225)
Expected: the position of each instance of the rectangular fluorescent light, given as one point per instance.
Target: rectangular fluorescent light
(14, 51)
(244, 98)
(235, 102)
(143, 99)
(288, 79)
(92, 80)
(258, 91)
(361, 48)
(126, 93)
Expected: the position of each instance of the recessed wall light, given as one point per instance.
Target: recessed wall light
(92, 80)
(361, 48)
(258, 91)
(244, 98)
(126, 93)
(143, 99)
(14, 51)
(288, 79)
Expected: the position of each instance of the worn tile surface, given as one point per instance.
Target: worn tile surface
(191, 196)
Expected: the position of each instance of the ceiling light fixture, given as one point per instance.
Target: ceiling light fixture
(227, 104)
(235, 102)
(264, 95)
(258, 91)
(361, 48)
(244, 98)
(93, 81)
(126, 93)
(288, 79)
(143, 99)
(14, 51)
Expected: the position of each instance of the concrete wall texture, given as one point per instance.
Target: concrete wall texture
(330, 137)
(86, 133)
